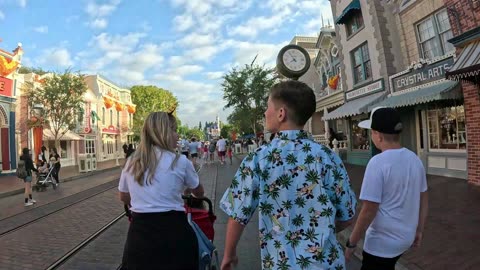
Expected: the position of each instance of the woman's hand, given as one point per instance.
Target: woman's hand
(229, 262)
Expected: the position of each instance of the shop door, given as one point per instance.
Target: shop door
(408, 137)
(5, 149)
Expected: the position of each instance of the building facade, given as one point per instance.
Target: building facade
(464, 18)
(108, 119)
(432, 108)
(369, 53)
(9, 63)
(330, 94)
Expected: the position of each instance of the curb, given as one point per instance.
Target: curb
(71, 178)
(342, 239)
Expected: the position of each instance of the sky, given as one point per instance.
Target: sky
(184, 46)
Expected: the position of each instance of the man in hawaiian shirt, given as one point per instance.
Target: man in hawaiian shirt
(301, 188)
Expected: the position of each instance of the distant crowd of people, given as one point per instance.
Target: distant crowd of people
(209, 151)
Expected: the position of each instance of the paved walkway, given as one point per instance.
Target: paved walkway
(452, 227)
(10, 184)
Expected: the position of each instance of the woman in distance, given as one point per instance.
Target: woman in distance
(152, 182)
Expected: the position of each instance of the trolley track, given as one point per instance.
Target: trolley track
(18, 221)
(69, 255)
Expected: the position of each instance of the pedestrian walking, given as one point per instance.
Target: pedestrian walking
(193, 148)
(230, 152)
(130, 151)
(152, 182)
(211, 150)
(222, 148)
(55, 159)
(184, 147)
(24, 172)
(205, 151)
(301, 188)
(394, 196)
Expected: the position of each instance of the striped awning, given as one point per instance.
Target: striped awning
(354, 107)
(441, 91)
(354, 5)
(467, 65)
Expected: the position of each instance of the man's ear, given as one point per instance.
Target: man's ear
(282, 114)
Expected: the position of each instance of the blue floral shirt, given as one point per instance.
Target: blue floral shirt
(301, 188)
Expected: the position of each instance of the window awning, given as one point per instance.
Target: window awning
(354, 5)
(354, 107)
(467, 65)
(68, 136)
(445, 90)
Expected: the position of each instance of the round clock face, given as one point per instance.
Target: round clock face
(294, 60)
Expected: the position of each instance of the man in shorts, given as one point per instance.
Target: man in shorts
(184, 147)
(193, 147)
(222, 148)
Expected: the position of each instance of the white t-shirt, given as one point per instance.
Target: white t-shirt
(193, 147)
(394, 179)
(184, 145)
(222, 145)
(165, 192)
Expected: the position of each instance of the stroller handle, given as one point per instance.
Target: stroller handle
(189, 199)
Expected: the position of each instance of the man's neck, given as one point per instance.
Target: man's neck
(391, 146)
(289, 126)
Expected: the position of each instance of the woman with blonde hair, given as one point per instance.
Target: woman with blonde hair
(152, 182)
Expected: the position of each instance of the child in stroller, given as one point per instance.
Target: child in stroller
(44, 176)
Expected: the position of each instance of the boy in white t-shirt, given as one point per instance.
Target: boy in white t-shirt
(394, 196)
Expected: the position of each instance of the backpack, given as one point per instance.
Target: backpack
(21, 169)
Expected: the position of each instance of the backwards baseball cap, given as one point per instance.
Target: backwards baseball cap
(384, 120)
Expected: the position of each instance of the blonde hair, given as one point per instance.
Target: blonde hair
(158, 132)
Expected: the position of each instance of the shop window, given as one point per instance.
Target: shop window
(111, 117)
(433, 35)
(103, 116)
(63, 149)
(354, 23)
(362, 69)
(360, 136)
(90, 146)
(446, 128)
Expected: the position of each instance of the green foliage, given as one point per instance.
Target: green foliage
(150, 99)
(26, 70)
(62, 98)
(246, 91)
(195, 132)
(226, 131)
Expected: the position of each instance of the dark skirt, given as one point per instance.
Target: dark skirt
(160, 241)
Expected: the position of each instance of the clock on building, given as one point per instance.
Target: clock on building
(293, 61)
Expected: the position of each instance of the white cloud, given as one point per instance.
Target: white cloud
(197, 40)
(205, 53)
(22, 3)
(186, 70)
(101, 10)
(56, 57)
(41, 29)
(2, 16)
(245, 52)
(116, 43)
(98, 23)
(215, 75)
(183, 22)
(258, 24)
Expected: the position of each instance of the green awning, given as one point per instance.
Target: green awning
(354, 5)
(441, 91)
(354, 107)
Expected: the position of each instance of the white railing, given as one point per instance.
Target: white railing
(320, 139)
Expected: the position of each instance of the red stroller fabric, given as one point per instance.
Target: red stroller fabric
(204, 220)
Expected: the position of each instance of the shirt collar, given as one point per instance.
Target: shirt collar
(293, 135)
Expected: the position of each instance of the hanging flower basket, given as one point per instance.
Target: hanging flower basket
(36, 122)
(131, 108)
(333, 82)
(108, 102)
(119, 106)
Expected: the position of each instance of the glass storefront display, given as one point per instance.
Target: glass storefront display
(446, 128)
(360, 136)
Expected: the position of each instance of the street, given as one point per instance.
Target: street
(58, 232)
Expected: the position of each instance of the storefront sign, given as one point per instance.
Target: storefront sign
(111, 130)
(5, 87)
(365, 90)
(421, 74)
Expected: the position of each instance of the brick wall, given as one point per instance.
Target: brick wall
(471, 97)
(464, 15)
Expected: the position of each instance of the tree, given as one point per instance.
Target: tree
(246, 91)
(62, 99)
(150, 99)
(26, 70)
(226, 131)
(200, 125)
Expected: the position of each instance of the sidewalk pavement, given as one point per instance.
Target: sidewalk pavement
(452, 225)
(11, 185)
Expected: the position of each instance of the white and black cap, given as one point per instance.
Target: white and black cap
(384, 120)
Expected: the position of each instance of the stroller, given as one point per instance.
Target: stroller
(44, 179)
(202, 221)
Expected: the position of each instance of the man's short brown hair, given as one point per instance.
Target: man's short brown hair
(297, 97)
